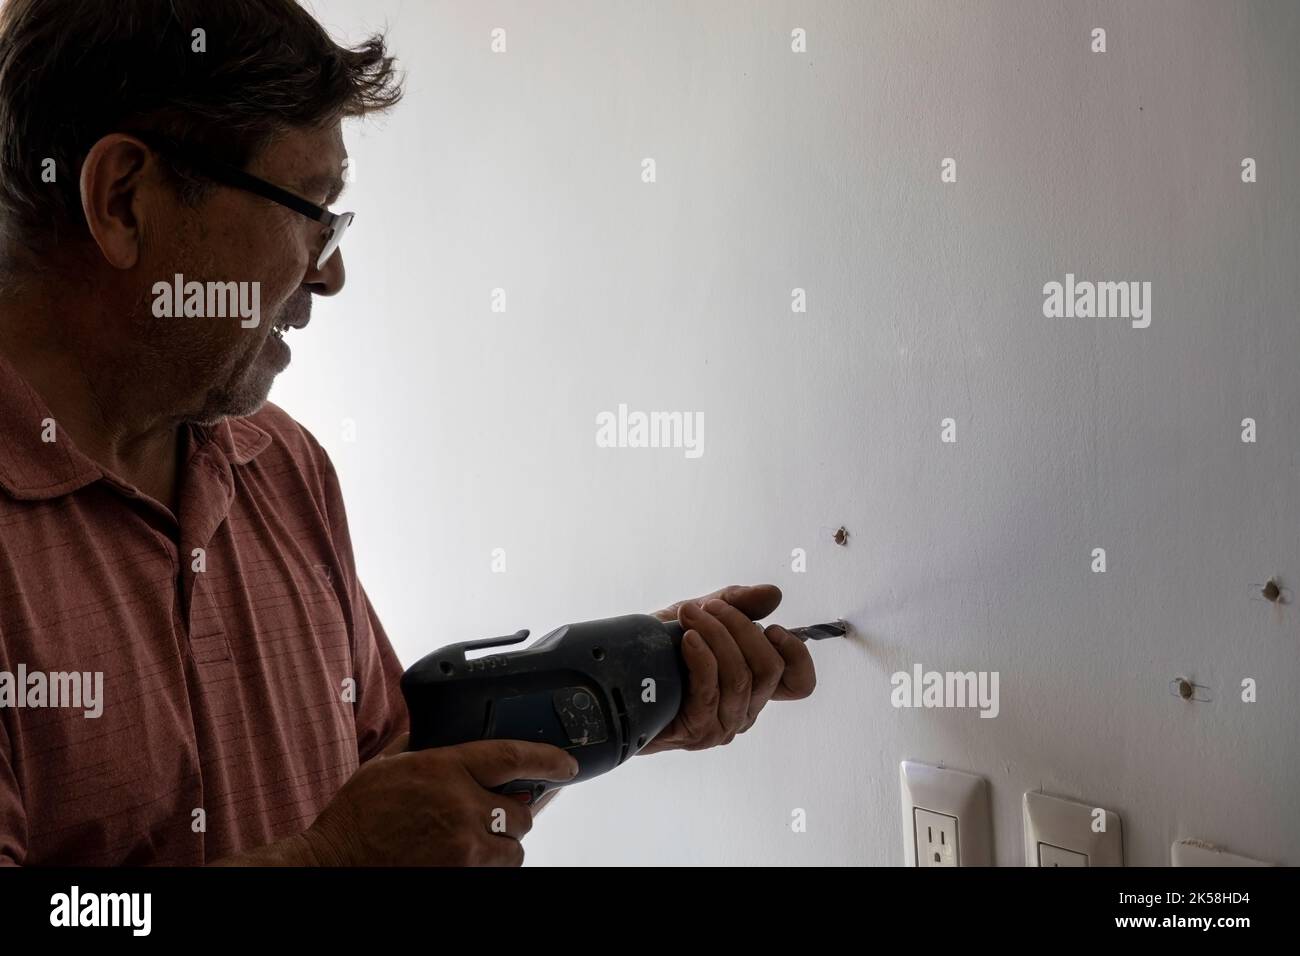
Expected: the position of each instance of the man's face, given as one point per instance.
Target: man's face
(214, 367)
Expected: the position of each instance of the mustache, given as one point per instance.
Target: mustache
(297, 309)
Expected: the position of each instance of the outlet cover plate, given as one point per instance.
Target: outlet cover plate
(952, 793)
(1066, 825)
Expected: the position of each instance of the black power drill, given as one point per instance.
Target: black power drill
(601, 690)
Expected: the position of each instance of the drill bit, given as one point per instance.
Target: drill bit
(820, 632)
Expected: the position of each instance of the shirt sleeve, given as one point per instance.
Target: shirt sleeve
(379, 710)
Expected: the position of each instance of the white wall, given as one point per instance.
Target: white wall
(821, 171)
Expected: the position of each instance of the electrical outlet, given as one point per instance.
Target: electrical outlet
(936, 838)
(945, 817)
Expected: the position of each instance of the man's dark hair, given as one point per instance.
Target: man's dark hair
(72, 71)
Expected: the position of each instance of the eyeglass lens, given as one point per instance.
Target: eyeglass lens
(334, 238)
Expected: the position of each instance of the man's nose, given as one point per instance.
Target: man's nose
(329, 278)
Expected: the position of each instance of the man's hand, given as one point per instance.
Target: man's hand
(434, 807)
(734, 666)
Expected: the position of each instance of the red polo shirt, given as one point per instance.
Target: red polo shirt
(236, 699)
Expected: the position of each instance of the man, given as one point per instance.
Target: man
(190, 671)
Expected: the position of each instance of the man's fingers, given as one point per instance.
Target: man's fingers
(699, 711)
(755, 601)
(768, 666)
(513, 854)
(762, 660)
(508, 817)
(494, 762)
(734, 679)
(799, 678)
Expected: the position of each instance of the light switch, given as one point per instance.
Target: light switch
(1049, 855)
(1062, 832)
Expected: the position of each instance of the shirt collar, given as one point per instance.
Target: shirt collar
(32, 469)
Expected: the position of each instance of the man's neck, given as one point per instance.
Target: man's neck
(96, 413)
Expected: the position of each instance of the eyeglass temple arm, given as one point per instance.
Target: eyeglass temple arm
(233, 176)
(250, 183)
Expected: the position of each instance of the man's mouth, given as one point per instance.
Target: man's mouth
(285, 324)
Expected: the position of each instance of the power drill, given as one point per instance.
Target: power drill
(601, 690)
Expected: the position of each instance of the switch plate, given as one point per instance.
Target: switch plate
(1061, 826)
(945, 810)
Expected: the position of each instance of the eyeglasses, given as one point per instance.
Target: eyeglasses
(336, 224)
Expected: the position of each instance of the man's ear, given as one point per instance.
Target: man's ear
(111, 179)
